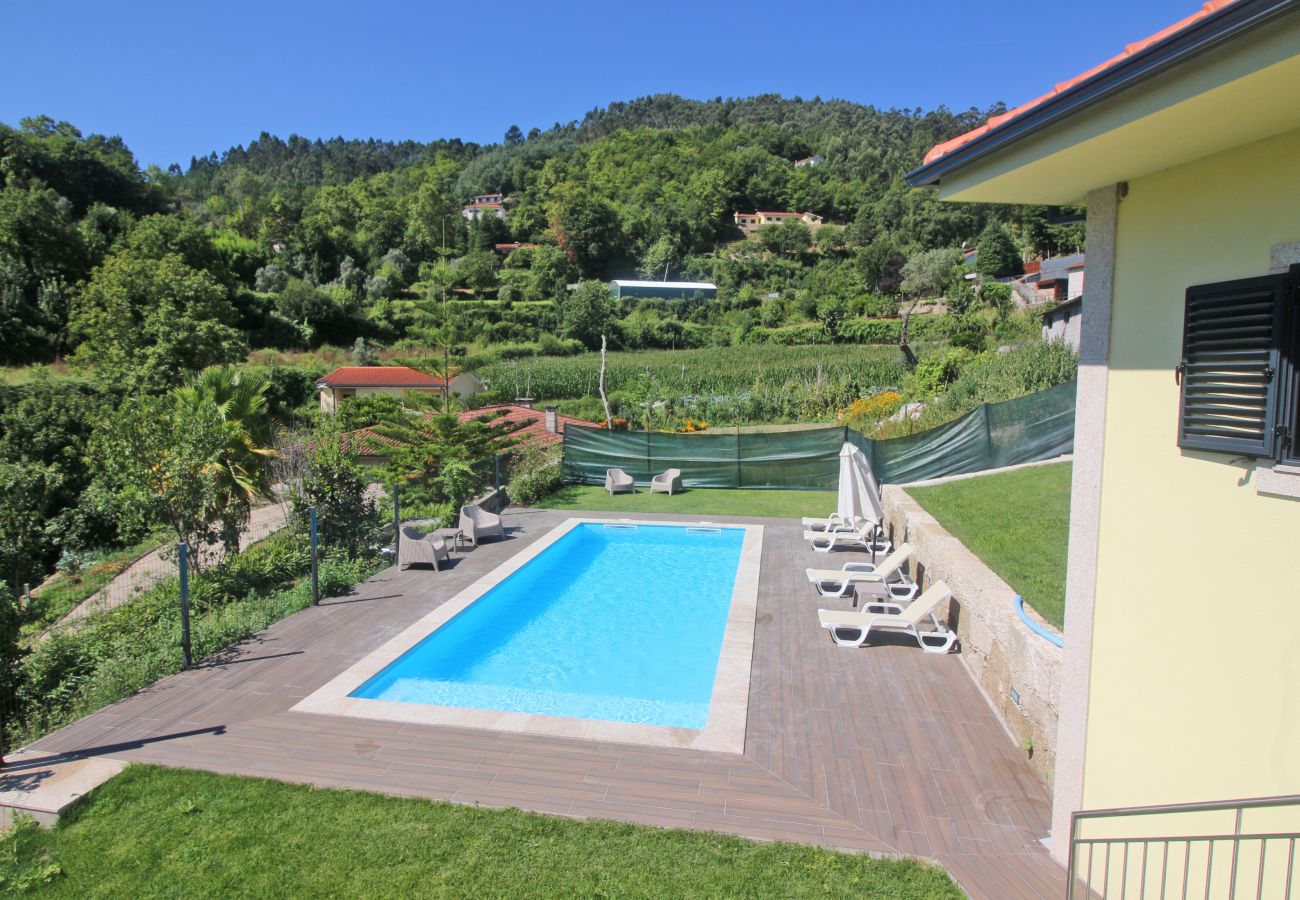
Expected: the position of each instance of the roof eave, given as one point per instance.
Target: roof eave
(1196, 39)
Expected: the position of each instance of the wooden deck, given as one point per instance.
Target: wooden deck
(884, 749)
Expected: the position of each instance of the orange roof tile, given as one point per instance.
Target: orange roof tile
(529, 425)
(381, 376)
(1207, 9)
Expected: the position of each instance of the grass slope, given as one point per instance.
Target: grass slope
(698, 502)
(155, 832)
(1018, 523)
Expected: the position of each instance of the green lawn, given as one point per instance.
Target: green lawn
(155, 832)
(1016, 522)
(697, 502)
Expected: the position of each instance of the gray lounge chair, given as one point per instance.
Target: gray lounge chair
(668, 483)
(476, 523)
(616, 481)
(418, 547)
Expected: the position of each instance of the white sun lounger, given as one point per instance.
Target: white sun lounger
(617, 480)
(833, 522)
(888, 573)
(866, 536)
(851, 629)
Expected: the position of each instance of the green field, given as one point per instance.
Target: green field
(155, 832)
(710, 370)
(697, 502)
(1018, 523)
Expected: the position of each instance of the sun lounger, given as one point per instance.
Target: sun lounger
(888, 573)
(418, 547)
(667, 483)
(833, 522)
(617, 480)
(477, 523)
(851, 628)
(866, 536)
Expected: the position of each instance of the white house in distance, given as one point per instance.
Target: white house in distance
(498, 199)
(809, 161)
(1065, 322)
(747, 221)
(472, 211)
(397, 381)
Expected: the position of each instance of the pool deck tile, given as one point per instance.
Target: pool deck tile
(883, 749)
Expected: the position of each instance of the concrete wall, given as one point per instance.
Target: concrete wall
(1194, 689)
(1066, 324)
(1000, 652)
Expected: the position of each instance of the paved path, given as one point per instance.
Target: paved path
(158, 564)
(884, 749)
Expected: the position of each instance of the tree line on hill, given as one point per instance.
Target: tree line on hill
(294, 243)
(143, 278)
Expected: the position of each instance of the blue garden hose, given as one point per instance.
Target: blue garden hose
(1034, 626)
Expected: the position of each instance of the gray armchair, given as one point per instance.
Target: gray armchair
(418, 547)
(476, 523)
(616, 481)
(670, 482)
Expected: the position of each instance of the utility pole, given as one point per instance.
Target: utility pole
(446, 324)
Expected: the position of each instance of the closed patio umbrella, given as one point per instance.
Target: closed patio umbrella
(859, 495)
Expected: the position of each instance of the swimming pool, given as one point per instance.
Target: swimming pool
(615, 622)
(619, 630)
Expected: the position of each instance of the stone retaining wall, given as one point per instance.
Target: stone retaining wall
(996, 647)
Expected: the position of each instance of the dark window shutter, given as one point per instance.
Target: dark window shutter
(1232, 333)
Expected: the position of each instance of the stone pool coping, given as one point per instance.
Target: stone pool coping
(728, 705)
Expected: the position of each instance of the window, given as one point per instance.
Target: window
(1239, 368)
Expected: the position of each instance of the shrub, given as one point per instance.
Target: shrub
(866, 410)
(992, 377)
(335, 485)
(936, 371)
(271, 278)
(997, 295)
(535, 473)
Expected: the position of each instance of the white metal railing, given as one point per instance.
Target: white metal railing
(1177, 855)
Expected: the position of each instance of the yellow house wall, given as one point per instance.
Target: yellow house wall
(329, 398)
(1195, 675)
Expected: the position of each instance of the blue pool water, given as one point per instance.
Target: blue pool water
(614, 623)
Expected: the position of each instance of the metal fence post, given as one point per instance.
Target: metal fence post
(315, 561)
(183, 560)
(496, 472)
(397, 528)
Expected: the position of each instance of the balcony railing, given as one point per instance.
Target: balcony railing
(1184, 850)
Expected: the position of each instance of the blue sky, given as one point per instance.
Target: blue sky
(180, 79)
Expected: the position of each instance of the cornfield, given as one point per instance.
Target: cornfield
(710, 371)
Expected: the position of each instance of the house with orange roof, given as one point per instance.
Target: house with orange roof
(527, 425)
(354, 381)
(1179, 704)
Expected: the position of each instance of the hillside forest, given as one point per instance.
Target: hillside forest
(271, 262)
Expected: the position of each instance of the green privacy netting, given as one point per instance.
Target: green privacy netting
(1038, 426)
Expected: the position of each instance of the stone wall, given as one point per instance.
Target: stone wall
(999, 651)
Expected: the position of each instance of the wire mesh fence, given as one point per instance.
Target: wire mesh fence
(115, 623)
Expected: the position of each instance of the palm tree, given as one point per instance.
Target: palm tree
(239, 466)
